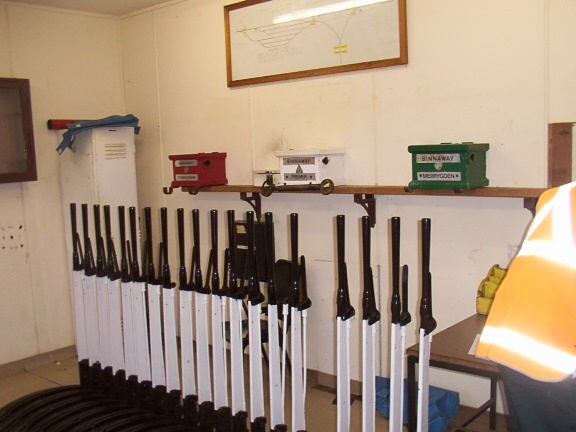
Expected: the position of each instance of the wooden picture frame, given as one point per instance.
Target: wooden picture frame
(17, 152)
(274, 40)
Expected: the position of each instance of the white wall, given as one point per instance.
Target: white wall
(489, 71)
(73, 63)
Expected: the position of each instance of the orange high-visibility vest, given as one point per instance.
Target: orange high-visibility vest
(531, 326)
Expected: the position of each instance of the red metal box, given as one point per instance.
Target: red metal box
(199, 169)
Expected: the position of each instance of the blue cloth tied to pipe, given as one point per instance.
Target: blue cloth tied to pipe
(128, 120)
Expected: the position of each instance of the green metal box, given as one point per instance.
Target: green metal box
(457, 166)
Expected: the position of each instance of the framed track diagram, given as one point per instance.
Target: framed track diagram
(274, 40)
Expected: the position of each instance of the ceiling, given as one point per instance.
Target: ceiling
(109, 7)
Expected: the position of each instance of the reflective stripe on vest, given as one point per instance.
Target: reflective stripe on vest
(532, 323)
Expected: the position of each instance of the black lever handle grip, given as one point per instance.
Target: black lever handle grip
(134, 264)
(270, 257)
(124, 269)
(182, 273)
(395, 303)
(215, 276)
(427, 321)
(77, 264)
(369, 309)
(100, 251)
(166, 275)
(344, 309)
(150, 269)
(236, 291)
(294, 273)
(196, 271)
(254, 294)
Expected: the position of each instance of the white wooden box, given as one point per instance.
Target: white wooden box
(311, 166)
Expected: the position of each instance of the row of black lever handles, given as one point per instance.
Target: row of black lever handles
(246, 263)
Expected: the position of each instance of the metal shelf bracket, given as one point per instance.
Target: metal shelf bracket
(255, 201)
(368, 202)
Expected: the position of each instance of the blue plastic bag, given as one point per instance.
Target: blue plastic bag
(443, 404)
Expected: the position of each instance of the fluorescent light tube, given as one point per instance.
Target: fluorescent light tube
(323, 10)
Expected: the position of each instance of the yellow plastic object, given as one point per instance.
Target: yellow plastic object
(483, 305)
(498, 272)
(488, 288)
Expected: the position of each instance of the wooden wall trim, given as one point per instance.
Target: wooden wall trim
(559, 153)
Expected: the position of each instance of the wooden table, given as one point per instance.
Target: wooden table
(449, 351)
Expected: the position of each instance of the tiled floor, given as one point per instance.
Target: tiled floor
(54, 374)
(320, 410)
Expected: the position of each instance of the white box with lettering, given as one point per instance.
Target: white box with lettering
(311, 166)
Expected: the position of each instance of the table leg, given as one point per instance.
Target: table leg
(412, 393)
(493, 396)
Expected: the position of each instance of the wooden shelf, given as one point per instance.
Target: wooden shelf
(364, 194)
(496, 192)
(479, 192)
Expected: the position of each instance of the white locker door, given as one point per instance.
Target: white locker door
(114, 166)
